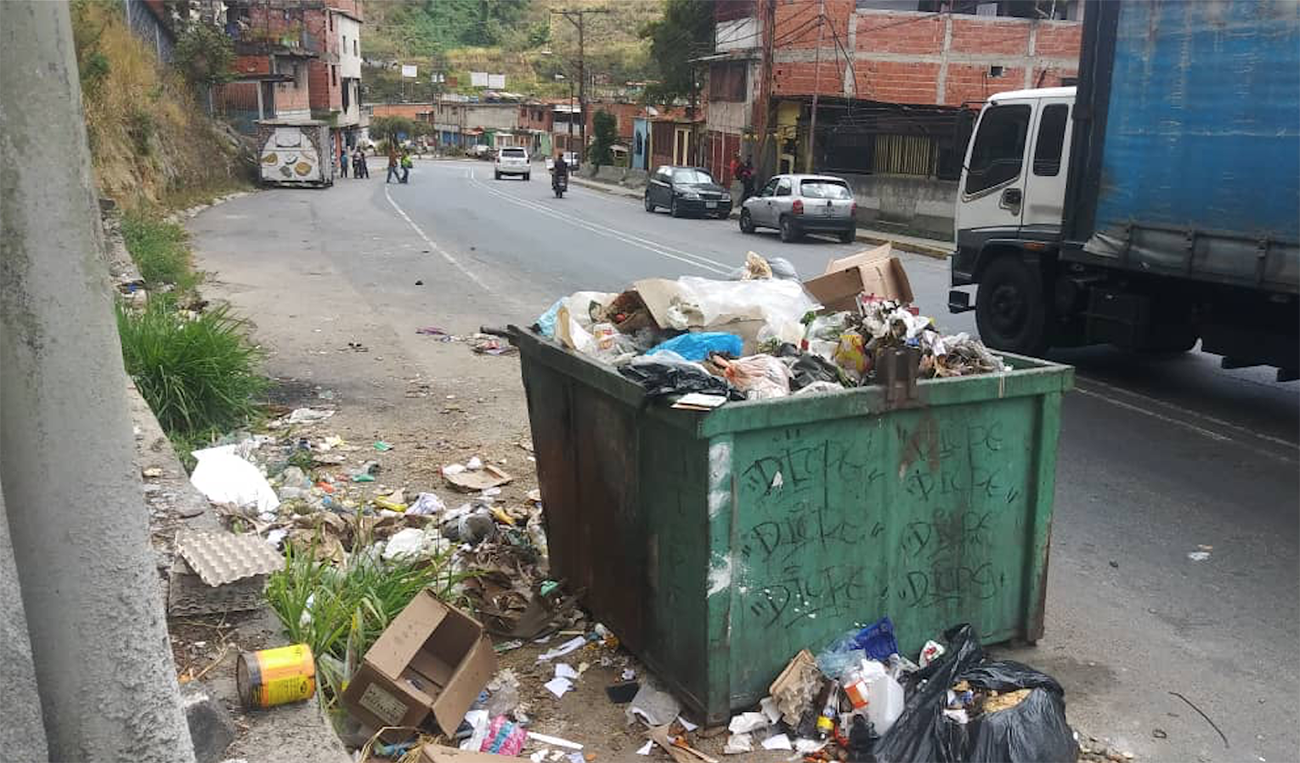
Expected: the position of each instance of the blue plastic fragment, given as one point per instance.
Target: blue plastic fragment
(877, 639)
(697, 346)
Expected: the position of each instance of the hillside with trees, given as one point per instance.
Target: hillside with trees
(522, 39)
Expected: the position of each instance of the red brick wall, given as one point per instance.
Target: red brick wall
(983, 36)
(528, 112)
(797, 27)
(253, 64)
(408, 110)
(801, 78)
(901, 33)
(881, 38)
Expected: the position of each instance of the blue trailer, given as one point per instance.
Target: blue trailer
(1159, 204)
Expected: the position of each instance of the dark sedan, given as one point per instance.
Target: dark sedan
(686, 191)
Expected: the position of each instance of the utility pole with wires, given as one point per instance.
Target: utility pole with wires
(580, 25)
(817, 86)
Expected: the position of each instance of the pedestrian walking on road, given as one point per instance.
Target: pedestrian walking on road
(747, 179)
(343, 161)
(392, 166)
(359, 168)
(407, 164)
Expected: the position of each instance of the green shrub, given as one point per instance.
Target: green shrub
(339, 611)
(160, 249)
(200, 375)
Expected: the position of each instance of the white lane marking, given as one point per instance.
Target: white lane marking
(1212, 435)
(703, 263)
(1168, 419)
(434, 246)
(1195, 414)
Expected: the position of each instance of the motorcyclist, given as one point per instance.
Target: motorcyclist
(560, 170)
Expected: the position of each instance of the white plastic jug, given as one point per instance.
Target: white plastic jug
(884, 695)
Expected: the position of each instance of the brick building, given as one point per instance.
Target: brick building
(295, 60)
(897, 83)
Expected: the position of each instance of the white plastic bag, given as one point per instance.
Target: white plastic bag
(224, 477)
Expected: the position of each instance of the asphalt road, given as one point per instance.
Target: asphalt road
(1159, 457)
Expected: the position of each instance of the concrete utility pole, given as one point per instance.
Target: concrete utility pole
(817, 86)
(580, 24)
(74, 508)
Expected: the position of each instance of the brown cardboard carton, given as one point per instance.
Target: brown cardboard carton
(874, 271)
(432, 659)
(436, 753)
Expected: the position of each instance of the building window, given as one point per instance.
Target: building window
(345, 43)
(1051, 140)
(331, 18)
(727, 82)
(354, 47)
(334, 76)
(999, 148)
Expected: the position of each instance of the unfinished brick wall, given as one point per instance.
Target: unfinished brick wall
(917, 57)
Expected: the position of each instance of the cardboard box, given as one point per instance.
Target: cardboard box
(432, 660)
(436, 753)
(875, 272)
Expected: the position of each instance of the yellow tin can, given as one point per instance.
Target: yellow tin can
(275, 676)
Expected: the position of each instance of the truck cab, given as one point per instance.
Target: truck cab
(1010, 204)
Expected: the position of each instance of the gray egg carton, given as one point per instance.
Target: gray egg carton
(221, 558)
(189, 595)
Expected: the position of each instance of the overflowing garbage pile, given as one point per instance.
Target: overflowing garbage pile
(765, 334)
(860, 700)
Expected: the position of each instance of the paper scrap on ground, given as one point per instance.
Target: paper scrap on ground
(687, 724)
(558, 742)
(807, 746)
(572, 645)
(747, 722)
(769, 708)
(777, 742)
(655, 707)
(1198, 556)
(646, 748)
(565, 670)
(738, 743)
(558, 686)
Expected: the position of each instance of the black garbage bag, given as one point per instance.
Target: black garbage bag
(806, 367)
(674, 377)
(1034, 731)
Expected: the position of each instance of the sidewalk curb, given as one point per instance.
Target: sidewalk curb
(937, 252)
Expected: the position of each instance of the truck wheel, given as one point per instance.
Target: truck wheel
(847, 236)
(746, 222)
(1010, 310)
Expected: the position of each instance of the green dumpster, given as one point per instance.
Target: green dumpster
(717, 545)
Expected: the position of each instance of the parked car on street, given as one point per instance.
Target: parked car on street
(686, 190)
(479, 151)
(513, 161)
(799, 204)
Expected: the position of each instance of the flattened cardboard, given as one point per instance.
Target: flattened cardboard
(875, 272)
(432, 659)
(436, 753)
(658, 295)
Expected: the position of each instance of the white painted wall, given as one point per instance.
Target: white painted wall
(349, 30)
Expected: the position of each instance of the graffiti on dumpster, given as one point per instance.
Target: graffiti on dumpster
(822, 523)
(797, 594)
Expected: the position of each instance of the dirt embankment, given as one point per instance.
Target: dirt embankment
(151, 140)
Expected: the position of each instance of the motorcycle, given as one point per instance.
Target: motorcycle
(559, 184)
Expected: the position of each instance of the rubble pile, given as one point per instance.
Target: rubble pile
(765, 335)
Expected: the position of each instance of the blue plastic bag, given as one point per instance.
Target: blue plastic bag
(697, 346)
(546, 322)
(878, 639)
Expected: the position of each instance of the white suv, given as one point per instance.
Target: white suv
(513, 161)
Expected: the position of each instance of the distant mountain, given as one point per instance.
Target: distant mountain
(522, 39)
